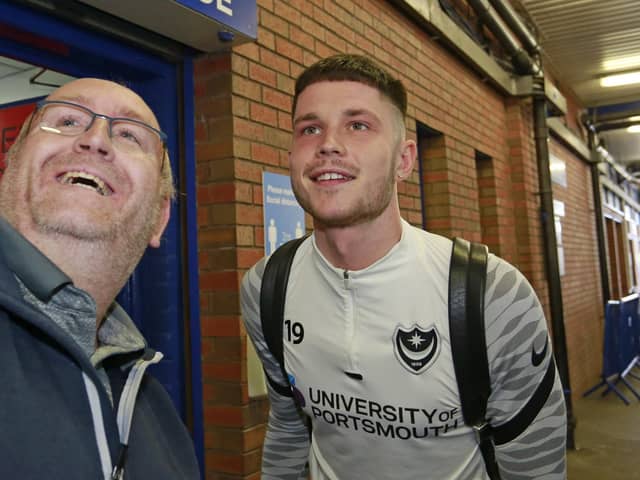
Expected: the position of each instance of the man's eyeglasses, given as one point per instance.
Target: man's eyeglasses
(127, 134)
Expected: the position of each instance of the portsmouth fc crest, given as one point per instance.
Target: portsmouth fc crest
(416, 349)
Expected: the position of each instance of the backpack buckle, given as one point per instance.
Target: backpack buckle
(482, 431)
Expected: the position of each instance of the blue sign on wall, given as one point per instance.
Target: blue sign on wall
(241, 15)
(283, 216)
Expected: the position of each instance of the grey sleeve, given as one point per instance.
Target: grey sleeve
(286, 445)
(519, 350)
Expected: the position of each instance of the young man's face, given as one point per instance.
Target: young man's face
(346, 152)
(85, 186)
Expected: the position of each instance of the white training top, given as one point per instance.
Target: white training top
(369, 356)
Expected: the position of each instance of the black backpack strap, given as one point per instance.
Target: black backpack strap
(273, 293)
(466, 323)
(514, 427)
(467, 276)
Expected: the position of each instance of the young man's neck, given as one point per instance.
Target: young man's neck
(358, 246)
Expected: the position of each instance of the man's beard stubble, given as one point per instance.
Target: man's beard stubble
(365, 210)
(125, 240)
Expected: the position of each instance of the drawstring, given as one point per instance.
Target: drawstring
(98, 425)
(126, 407)
(124, 418)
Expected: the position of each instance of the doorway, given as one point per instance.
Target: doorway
(53, 50)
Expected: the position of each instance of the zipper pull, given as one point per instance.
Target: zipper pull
(345, 279)
(118, 469)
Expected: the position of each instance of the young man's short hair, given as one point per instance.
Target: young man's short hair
(355, 68)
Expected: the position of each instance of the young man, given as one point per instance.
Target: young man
(364, 281)
(88, 186)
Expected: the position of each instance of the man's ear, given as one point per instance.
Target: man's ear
(163, 219)
(408, 153)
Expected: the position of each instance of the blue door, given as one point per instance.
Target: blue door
(155, 295)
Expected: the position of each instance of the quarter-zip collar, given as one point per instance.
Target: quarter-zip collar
(343, 274)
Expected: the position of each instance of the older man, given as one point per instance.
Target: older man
(87, 187)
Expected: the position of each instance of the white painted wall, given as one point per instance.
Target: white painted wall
(16, 84)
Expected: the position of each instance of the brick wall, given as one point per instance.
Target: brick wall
(581, 289)
(228, 244)
(243, 101)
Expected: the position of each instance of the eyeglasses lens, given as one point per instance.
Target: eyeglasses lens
(127, 135)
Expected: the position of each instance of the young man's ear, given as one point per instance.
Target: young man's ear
(408, 153)
(163, 220)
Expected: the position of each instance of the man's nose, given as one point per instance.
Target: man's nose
(96, 139)
(331, 143)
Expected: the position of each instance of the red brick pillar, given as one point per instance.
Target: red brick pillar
(226, 249)
(449, 181)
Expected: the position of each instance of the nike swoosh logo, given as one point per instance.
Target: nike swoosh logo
(536, 358)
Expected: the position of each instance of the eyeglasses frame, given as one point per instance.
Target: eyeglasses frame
(163, 136)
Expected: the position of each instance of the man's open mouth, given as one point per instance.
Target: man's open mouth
(331, 176)
(86, 180)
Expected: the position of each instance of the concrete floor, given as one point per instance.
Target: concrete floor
(607, 436)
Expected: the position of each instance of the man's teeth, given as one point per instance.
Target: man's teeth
(86, 180)
(331, 176)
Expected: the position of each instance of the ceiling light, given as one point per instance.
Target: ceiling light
(624, 63)
(633, 129)
(620, 79)
(635, 118)
(557, 166)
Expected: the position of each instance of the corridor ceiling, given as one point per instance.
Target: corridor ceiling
(585, 40)
(582, 41)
